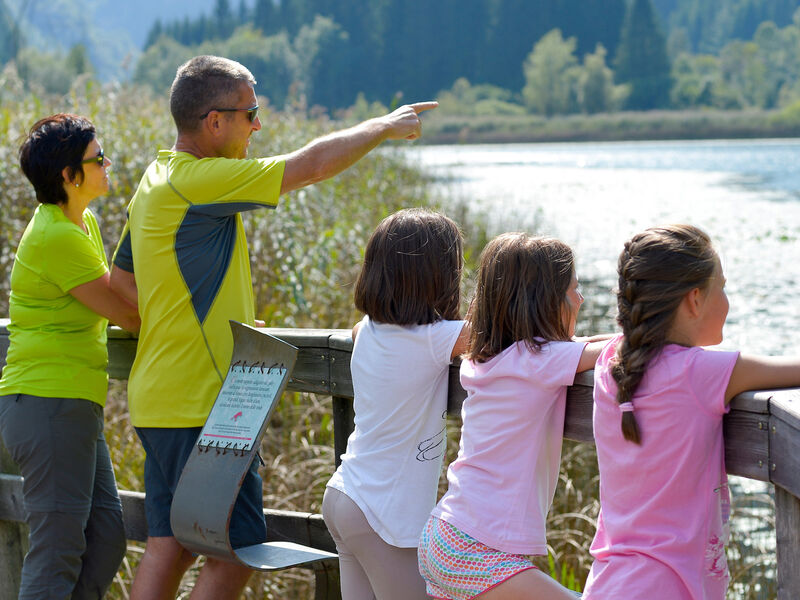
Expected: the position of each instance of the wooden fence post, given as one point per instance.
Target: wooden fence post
(784, 466)
(343, 416)
(13, 540)
(326, 581)
(787, 535)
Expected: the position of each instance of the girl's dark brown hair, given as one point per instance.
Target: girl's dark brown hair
(412, 269)
(53, 143)
(657, 268)
(521, 294)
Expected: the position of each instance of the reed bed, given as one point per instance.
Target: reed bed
(304, 258)
(625, 125)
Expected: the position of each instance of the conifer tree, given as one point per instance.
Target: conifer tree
(642, 61)
(266, 17)
(223, 23)
(156, 31)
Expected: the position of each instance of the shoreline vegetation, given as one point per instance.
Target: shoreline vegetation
(442, 128)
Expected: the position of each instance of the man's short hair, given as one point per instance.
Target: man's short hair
(204, 83)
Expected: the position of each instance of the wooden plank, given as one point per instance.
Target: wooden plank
(785, 405)
(341, 380)
(3, 350)
(455, 393)
(784, 440)
(11, 504)
(299, 527)
(311, 371)
(133, 515)
(326, 581)
(756, 402)
(578, 419)
(341, 339)
(282, 525)
(787, 534)
(13, 534)
(746, 444)
(307, 338)
(121, 352)
(343, 426)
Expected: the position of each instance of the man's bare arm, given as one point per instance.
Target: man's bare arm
(124, 283)
(331, 154)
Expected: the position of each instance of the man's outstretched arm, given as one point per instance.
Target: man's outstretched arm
(331, 154)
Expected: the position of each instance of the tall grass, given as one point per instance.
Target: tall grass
(304, 260)
(627, 125)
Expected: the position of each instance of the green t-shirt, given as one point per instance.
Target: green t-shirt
(57, 345)
(185, 243)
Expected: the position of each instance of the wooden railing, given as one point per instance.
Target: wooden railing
(762, 441)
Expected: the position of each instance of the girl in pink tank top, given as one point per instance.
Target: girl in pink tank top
(659, 402)
(522, 357)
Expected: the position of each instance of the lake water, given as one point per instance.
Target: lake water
(594, 196)
(745, 194)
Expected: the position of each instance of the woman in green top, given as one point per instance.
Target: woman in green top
(53, 387)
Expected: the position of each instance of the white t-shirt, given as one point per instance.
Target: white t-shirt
(502, 484)
(394, 456)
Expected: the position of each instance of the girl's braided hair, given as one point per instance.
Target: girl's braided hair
(657, 268)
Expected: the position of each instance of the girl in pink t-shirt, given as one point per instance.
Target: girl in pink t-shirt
(659, 401)
(522, 357)
(379, 498)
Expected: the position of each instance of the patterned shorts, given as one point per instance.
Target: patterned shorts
(456, 566)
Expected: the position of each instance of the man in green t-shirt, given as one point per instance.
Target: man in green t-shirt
(183, 257)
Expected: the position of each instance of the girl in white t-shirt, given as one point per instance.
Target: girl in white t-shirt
(380, 496)
(659, 402)
(522, 356)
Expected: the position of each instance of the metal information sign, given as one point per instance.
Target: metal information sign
(209, 485)
(245, 400)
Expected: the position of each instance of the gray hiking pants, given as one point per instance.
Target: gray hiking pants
(77, 539)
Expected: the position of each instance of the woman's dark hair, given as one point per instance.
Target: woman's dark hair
(53, 143)
(657, 268)
(521, 294)
(412, 269)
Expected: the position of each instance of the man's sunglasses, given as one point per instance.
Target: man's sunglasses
(251, 112)
(99, 159)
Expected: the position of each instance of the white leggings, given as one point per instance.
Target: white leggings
(370, 569)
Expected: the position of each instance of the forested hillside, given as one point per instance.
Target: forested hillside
(708, 25)
(112, 32)
(478, 57)
(381, 47)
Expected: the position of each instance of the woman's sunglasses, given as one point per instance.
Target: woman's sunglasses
(99, 159)
(251, 112)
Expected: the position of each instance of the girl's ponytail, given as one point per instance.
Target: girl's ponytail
(657, 268)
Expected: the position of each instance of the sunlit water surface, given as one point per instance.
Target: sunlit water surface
(745, 194)
(594, 196)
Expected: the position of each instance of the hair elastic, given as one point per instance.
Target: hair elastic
(626, 407)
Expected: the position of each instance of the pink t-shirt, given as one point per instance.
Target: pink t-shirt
(664, 504)
(502, 483)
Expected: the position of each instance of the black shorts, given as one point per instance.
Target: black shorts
(167, 450)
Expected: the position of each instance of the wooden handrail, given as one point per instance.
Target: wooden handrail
(762, 430)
